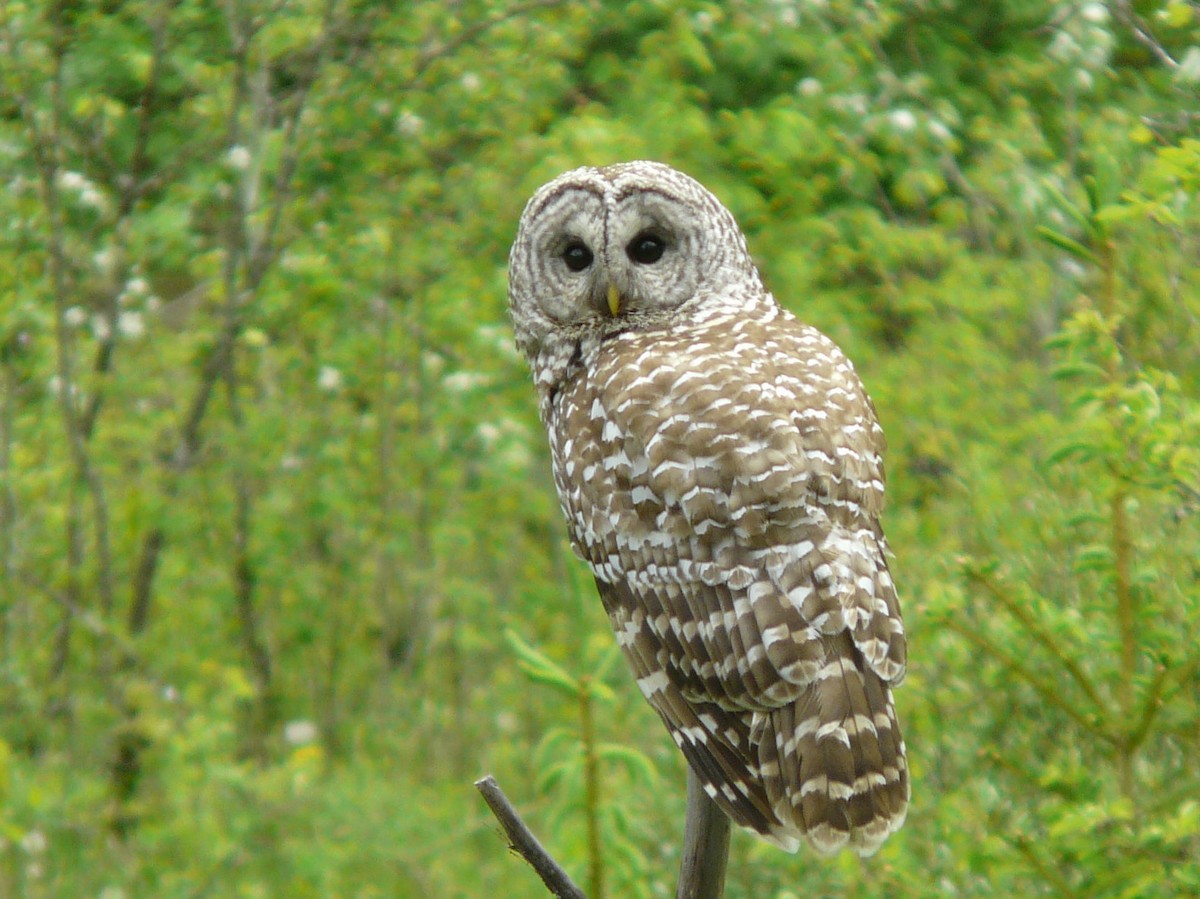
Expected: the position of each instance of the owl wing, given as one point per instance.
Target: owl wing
(725, 486)
(716, 744)
(746, 461)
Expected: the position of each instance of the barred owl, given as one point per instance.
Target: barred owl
(719, 466)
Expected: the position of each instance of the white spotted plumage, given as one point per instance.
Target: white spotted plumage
(719, 465)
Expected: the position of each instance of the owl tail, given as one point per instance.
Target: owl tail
(833, 762)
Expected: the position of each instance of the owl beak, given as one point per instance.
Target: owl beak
(614, 300)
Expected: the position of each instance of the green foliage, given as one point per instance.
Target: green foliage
(584, 777)
(272, 487)
(1114, 624)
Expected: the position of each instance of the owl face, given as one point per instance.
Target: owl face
(606, 249)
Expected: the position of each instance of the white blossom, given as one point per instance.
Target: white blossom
(902, 119)
(409, 124)
(131, 324)
(855, 104)
(329, 379)
(1064, 46)
(92, 197)
(462, 381)
(808, 87)
(34, 842)
(238, 158)
(1189, 66)
(104, 259)
(471, 82)
(434, 363)
(489, 434)
(300, 732)
(55, 385)
(75, 316)
(72, 181)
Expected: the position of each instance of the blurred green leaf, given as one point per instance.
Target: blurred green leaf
(1072, 246)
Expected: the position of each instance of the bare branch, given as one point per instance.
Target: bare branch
(249, 260)
(132, 185)
(1123, 12)
(522, 841)
(705, 845)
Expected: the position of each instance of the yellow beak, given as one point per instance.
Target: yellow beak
(614, 300)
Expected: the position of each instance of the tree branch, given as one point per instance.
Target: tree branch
(705, 850)
(522, 841)
(1021, 613)
(1047, 691)
(1122, 11)
(705, 845)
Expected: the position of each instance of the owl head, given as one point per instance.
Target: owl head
(633, 245)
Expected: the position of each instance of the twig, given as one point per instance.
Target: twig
(1021, 613)
(522, 841)
(1025, 847)
(1122, 10)
(705, 845)
(1046, 691)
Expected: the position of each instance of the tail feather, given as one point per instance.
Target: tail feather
(833, 762)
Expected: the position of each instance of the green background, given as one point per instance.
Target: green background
(281, 567)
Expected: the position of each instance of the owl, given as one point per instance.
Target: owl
(719, 465)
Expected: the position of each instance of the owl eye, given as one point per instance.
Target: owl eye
(646, 248)
(577, 256)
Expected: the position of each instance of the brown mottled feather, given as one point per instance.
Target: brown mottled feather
(765, 556)
(719, 465)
